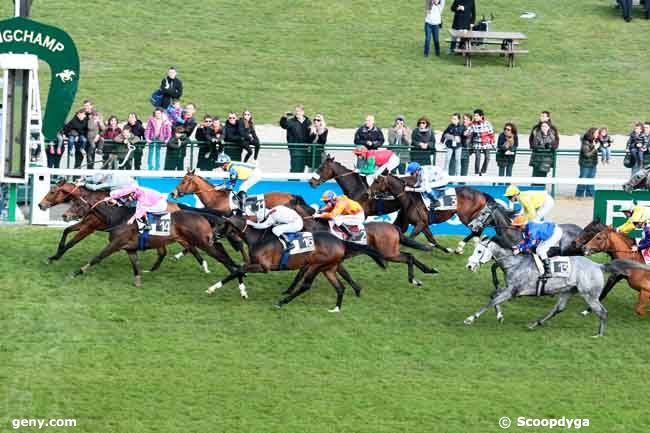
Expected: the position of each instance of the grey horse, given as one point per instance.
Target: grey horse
(639, 180)
(585, 277)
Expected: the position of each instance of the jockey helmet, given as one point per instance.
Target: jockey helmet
(328, 196)
(232, 173)
(413, 167)
(519, 221)
(512, 191)
(361, 151)
(627, 207)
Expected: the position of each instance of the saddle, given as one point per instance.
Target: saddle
(447, 201)
(560, 267)
(359, 234)
(158, 224)
(302, 242)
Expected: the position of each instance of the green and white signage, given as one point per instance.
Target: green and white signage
(607, 205)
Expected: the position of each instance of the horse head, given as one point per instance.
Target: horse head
(600, 242)
(325, 172)
(188, 184)
(61, 192)
(380, 185)
(77, 211)
(482, 254)
(589, 232)
(637, 181)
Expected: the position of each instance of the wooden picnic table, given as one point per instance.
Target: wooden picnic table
(473, 42)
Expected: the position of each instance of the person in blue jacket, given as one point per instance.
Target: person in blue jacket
(539, 237)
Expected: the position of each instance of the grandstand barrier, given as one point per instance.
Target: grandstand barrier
(165, 182)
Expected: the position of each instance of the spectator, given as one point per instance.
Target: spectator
(588, 161)
(544, 116)
(605, 143)
(423, 143)
(452, 138)
(158, 130)
(175, 113)
(111, 131)
(137, 130)
(400, 135)
(249, 136)
(646, 135)
(464, 17)
(626, 6)
(95, 129)
(176, 146)
(317, 135)
(482, 140)
(432, 22)
(507, 149)
(297, 127)
(189, 121)
(636, 146)
(369, 135)
(76, 133)
(208, 144)
(171, 88)
(121, 152)
(232, 136)
(542, 149)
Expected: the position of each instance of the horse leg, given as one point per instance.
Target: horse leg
(237, 273)
(644, 295)
(407, 258)
(500, 298)
(611, 282)
(195, 252)
(559, 306)
(347, 277)
(310, 275)
(460, 249)
(219, 253)
(135, 263)
(423, 267)
(63, 247)
(107, 251)
(495, 281)
(162, 252)
(330, 274)
(600, 311)
(178, 256)
(296, 280)
(427, 233)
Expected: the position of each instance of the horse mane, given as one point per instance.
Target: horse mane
(628, 240)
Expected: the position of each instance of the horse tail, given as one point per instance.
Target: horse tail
(412, 243)
(623, 267)
(353, 249)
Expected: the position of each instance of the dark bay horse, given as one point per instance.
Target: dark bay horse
(219, 199)
(266, 254)
(469, 202)
(355, 187)
(191, 229)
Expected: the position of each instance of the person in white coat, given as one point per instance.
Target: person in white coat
(432, 22)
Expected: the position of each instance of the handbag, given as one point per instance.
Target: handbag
(629, 160)
(156, 98)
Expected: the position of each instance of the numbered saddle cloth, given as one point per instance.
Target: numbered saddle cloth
(560, 266)
(359, 235)
(255, 206)
(447, 201)
(161, 224)
(302, 242)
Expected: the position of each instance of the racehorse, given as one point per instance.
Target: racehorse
(190, 228)
(584, 276)
(219, 199)
(640, 179)
(469, 203)
(266, 253)
(355, 187)
(619, 246)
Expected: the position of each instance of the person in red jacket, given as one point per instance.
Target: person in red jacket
(372, 163)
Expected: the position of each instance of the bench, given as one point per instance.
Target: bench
(510, 54)
(474, 42)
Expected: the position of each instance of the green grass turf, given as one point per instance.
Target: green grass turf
(169, 358)
(348, 58)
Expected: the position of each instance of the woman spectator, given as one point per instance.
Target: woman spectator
(542, 146)
(207, 144)
(158, 130)
(636, 146)
(232, 136)
(112, 130)
(249, 136)
(317, 135)
(432, 22)
(507, 149)
(588, 161)
(137, 130)
(400, 135)
(423, 143)
(452, 137)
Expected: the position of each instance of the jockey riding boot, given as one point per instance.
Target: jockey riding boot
(547, 269)
(288, 245)
(345, 229)
(241, 196)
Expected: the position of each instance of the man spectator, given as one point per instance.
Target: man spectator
(626, 6)
(208, 144)
(369, 135)
(482, 134)
(464, 16)
(171, 88)
(189, 121)
(175, 155)
(400, 135)
(77, 134)
(298, 129)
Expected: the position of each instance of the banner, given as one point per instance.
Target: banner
(607, 205)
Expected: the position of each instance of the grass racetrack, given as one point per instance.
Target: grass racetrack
(168, 358)
(348, 58)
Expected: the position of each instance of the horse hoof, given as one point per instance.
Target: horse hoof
(449, 250)
(585, 313)
(500, 318)
(597, 336)
(434, 271)
(469, 320)
(459, 251)
(357, 293)
(278, 305)
(533, 325)
(335, 310)
(50, 260)
(416, 282)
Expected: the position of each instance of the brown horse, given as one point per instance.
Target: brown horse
(63, 192)
(191, 229)
(619, 246)
(219, 199)
(469, 203)
(266, 255)
(354, 186)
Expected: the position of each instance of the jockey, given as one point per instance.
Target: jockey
(108, 181)
(543, 234)
(634, 213)
(536, 204)
(342, 210)
(431, 180)
(148, 200)
(249, 173)
(372, 163)
(284, 220)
